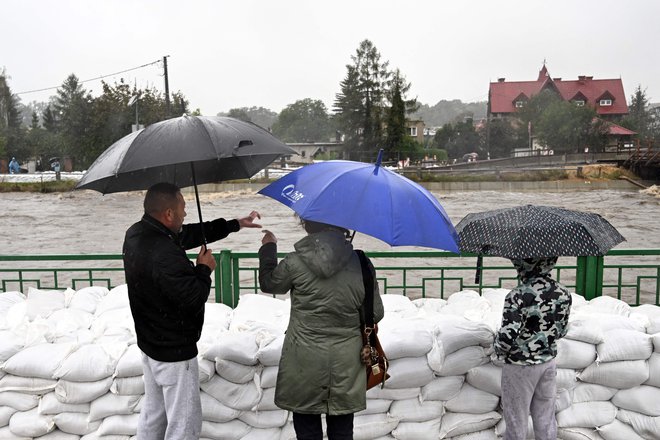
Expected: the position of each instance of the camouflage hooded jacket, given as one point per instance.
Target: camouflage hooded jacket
(535, 315)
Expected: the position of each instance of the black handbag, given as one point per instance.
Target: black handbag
(376, 363)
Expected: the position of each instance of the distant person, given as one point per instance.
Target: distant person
(56, 167)
(167, 294)
(320, 371)
(14, 168)
(535, 316)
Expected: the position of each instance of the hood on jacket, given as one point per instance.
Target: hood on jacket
(534, 267)
(325, 253)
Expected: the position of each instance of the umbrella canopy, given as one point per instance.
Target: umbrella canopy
(536, 232)
(219, 148)
(369, 199)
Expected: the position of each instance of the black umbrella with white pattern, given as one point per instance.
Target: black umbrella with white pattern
(536, 232)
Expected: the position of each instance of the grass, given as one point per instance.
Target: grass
(43, 187)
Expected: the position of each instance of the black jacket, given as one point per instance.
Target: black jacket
(167, 292)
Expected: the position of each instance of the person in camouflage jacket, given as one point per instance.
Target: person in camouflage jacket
(535, 316)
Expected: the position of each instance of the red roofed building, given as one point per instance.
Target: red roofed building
(606, 96)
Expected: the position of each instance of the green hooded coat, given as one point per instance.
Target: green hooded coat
(320, 370)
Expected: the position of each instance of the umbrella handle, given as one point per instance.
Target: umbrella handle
(477, 275)
(199, 208)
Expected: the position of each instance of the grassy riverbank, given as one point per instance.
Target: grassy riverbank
(42, 187)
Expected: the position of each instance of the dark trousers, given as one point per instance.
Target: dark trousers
(308, 426)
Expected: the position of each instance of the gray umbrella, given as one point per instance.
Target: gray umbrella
(535, 232)
(184, 151)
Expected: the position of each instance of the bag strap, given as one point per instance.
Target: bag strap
(368, 280)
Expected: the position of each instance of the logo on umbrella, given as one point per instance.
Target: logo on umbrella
(289, 192)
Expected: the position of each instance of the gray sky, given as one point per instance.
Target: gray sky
(243, 53)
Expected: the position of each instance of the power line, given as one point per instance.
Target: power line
(91, 79)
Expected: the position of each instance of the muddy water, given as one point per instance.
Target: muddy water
(87, 222)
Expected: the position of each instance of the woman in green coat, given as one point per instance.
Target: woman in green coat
(320, 370)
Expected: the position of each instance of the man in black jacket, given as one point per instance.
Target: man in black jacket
(167, 295)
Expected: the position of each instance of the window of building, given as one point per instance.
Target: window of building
(579, 102)
(605, 102)
(520, 104)
(412, 131)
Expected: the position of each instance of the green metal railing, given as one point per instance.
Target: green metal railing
(632, 275)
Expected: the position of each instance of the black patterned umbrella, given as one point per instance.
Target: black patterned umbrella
(535, 232)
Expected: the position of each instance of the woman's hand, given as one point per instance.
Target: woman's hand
(268, 237)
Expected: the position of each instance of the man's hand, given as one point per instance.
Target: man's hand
(247, 222)
(206, 258)
(268, 237)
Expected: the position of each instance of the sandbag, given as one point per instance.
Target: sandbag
(591, 392)
(235, 372)
(646, 426)
(620, 375)
(263, 434)
(375, 406)
(233, 430)
(455, 424)
(117, 298)
(267, 401)
(606, 305)
(461, 361)
(583, 330)
(255, 312)
(618, 430)
(130, 362)
(401, 338)
(5, 414)
(127, 386)
(567, 378)
(456, 333)
(10, 344)
(238, 347)
(49, 405)
(269, 354)
(119, 425)
(487, 377)
(75, 423)
(6, 434)
(578, 434)
(586, 415)
(473, 401)
(486, 434)
(206, 369)
(643, 399)
(428, 430)
(412, 410)
(238, 396)
(19, 401)
(56, 434)
(91, 362)
(264, 419)
(44, 302)
(268, 377)
(27, 385)
(574, 354)
(214, 411)
(442, 388)
(625, 345)
(81, 392)
(373, 425)
(31, 423)
(112, 404)
(87, 298)
(409, 373)
(39, 361)
(397, 303)
(654, 371)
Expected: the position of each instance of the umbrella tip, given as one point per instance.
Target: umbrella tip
(379, 160)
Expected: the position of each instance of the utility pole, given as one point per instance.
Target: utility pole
(167, 87)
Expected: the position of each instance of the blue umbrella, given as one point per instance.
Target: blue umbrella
(369, 199)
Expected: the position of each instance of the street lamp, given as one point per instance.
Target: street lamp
(134, 100)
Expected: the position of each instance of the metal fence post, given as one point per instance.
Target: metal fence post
(223, 290)
(589, 277)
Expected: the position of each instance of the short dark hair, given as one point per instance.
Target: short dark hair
(160, 197)
(312, 227)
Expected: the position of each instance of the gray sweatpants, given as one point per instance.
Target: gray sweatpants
(171, 409)
(528, 390)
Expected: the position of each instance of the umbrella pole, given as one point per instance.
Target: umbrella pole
(199, 208)
(352, 236)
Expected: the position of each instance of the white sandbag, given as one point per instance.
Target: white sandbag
(110, 404)
(620, 374)
(119, 425)
(461, 361)
(6, 434)
(643, 399)
(456, 333)
(39, 361)
(567, 378)
(267, 401)
(486, 434)
(574, 354)
(206, 369)
(375, 406)
(19, 401)
(91, 362)
(487, 377)
(373, 425)
(625, 345)
(130, 363)
(31, 423)
(586, 415)
(607, 305)
(442, 388)
(96, 436)
(8, 299)
(5, 414)
(563, 400)
(127, 385)
(27, 385)
(218, 315)
(50, 405)
(270, 354)
(265, 419)
(43, 302)
(64, 322)
(87, 298)
(436, 356)
(583, 330)
(473, 401)
(654, 370)
(430, 304)
(81, 392)
(393, 394)
(618, 430)
(238, 347)
(646, 426)
(10, 344)
(409, 373)
(75, 423)
(653, 327)
(268, 377)
(235, 372)
(500, 428)
(214, 411)
(578, 434)
(426, 430)
(495, 297)
(468, 306)
(255, 311)
(59, 435)
(591, 392)
(117, 323)
(607, 322)
(412, 410)
(238, 396)
(263, 434)
(397, 303)
(233, 430)
(116, 298)
(455, 424)
(406, 338)
(656, 342)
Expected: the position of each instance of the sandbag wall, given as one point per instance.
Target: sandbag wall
(70, 369)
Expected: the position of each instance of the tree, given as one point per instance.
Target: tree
(639, 119)
(458, 139)
(11, 134)
(359, 106)
(263, 117)
(565, 128)
(72, 110)
(239, 113)
(501, 138)
(305, 120)
(397, 111)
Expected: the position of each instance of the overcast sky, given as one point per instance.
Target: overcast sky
(270, 53)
